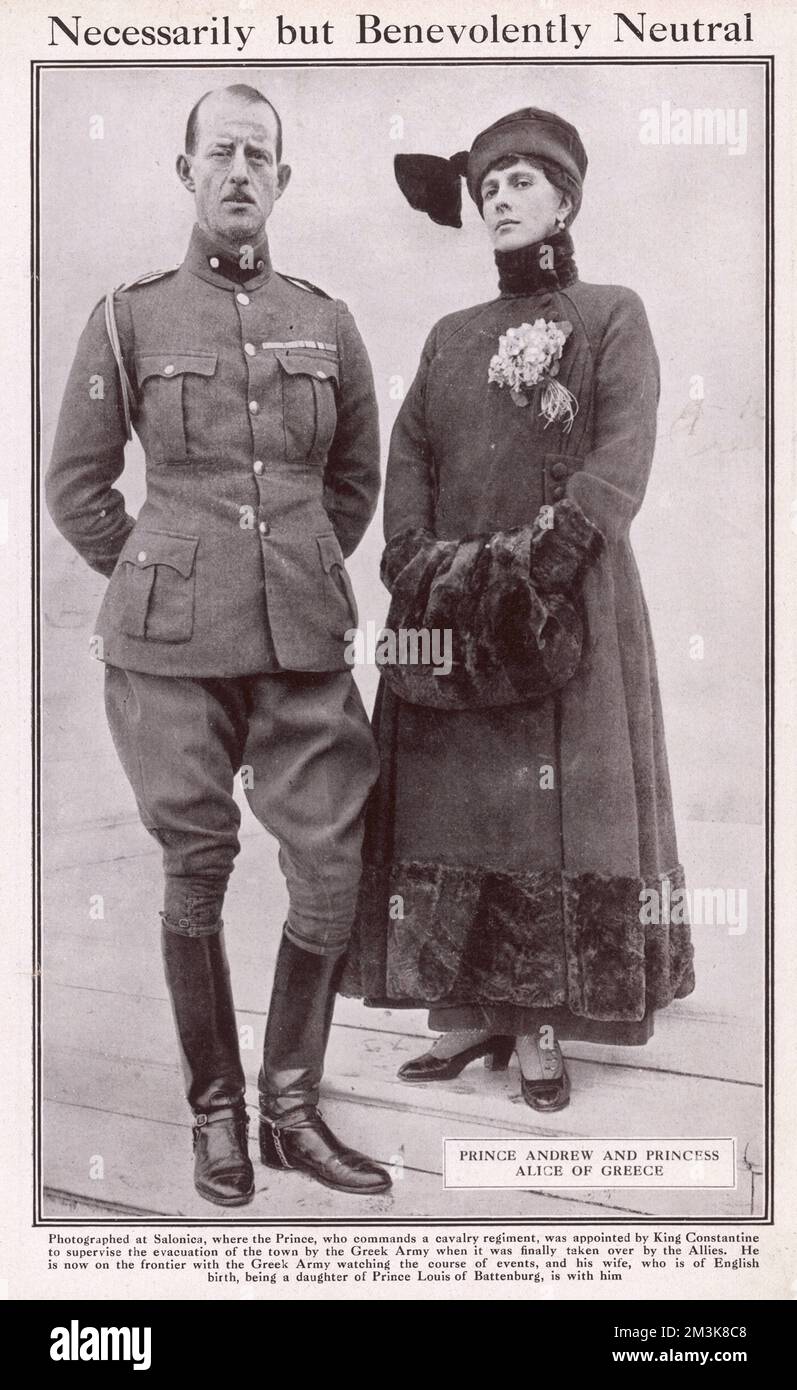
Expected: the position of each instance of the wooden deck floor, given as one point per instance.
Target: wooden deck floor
(116, 1130)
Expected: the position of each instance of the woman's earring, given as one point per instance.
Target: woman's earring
(560, 221)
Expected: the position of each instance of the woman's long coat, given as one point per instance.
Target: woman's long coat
(510, 851)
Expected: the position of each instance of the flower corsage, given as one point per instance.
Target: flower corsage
(528, 357)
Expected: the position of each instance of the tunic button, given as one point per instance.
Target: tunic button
(242, 298)
(142, 555)
(253, 407)
(258, 465)
(214, 262)
(263, 528)
(559, 470)
(168, 371)
(249, 349)
(323, 375)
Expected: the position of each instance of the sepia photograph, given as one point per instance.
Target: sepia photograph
(404, 590)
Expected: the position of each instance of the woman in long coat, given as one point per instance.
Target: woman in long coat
(521, 873)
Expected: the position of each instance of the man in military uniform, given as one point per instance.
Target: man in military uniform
(222, 628)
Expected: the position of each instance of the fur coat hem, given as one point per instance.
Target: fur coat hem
(542, 939)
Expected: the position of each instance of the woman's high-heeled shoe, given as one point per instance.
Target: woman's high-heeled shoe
(547, 1093)
(495, 1050)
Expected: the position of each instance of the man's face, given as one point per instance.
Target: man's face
(519, 205)
(233, 173)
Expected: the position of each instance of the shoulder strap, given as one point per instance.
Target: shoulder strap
(116, 346)
(305, 285)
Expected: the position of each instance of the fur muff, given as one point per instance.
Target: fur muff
(508, 600)
(563, 543)
(537, 940)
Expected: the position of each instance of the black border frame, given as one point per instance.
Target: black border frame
(136, 1218)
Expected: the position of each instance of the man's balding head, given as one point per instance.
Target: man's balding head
(232, 164)
(245, 93)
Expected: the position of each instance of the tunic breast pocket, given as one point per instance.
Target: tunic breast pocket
(309, 403)
(175, 398)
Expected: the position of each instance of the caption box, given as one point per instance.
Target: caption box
(592, 1163)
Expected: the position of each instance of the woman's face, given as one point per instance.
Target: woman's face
(520, 205)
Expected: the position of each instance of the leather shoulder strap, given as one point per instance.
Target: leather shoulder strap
(116, 346)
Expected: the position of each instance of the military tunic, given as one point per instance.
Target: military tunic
(255, 406)
(223, 625)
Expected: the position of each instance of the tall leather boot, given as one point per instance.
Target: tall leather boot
(292, 1132)
(198, 978)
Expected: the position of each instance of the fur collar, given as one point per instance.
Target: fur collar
(527, 269)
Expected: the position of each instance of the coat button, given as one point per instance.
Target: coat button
(214, 262)
(141, 557)
(242, 298)
(559, 470)
(253, 407)
(263, 528)
(258, 465)
(169, 370)
(249, 349)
